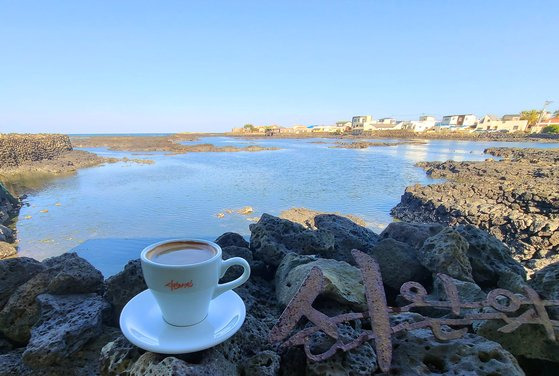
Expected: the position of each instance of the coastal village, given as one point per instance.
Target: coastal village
(467, 123)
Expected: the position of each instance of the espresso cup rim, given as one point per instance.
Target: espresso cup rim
(144, 258)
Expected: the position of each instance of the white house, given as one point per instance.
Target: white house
(385, 126)
(508, 123)
(343, 125)
(326, 128)
(542, 124)
(387, 121)
(458, 121)
(301, 129)
(361, 122)
(424, 123)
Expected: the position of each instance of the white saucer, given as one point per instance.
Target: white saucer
(142, 324)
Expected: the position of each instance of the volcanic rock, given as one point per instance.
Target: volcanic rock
(67, 323)
(446, 253)
(343, 282)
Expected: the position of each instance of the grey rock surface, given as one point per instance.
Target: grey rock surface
(417, 352)
(10, 364)
(398, 263)
(249, 340)
(467, 291)
(546, 281)
(67, 323)
(6, 234)
(265, 363)
(71, 274)
(63, 274)
(21, 311)
(122, 287)
(306, 217)
(529, 341)
(160, 365)
(413, 234)
(343, 282)
(229, 239)
(359, 361)
(272, 238)
(14, 272)
(491, 260)
(347, 234)
(515, 199)
(446, 253)
(118, 356)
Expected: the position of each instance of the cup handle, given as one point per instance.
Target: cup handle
(226, 264)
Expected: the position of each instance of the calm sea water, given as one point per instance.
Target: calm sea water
(109, 213)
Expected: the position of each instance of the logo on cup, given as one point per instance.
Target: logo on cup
(174, 285)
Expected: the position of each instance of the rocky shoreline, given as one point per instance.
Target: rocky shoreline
(410, 135)
(516, 199)
(169, 144)
(28, 161)
(368, 144)
(60, 316)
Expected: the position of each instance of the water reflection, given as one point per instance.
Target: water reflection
(29, 183)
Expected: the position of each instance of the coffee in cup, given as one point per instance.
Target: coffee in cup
(183, 276)
(181, 253)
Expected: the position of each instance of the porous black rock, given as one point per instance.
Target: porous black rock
(66, 324)
(229, 239)
(123, 286)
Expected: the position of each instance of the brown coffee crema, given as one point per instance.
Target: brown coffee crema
(181, 253)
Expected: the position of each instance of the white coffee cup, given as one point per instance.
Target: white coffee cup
(184, 283)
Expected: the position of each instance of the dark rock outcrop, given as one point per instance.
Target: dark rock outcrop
(399, 263)
(515, 199)
(9, 207)
(123, 286)
(65, 274)
(334, 238)
(231, 239)
(14, 272)
(417, 352)
(447, 252)
(6, 235)
(60, 318)
(306, 217)
(66, 324)
(16, 149)
(413, 234)
(272, 238)
(347, 234)
(491, 260)
(71, 274)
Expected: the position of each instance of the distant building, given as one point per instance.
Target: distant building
(511, 117)
(344, 125)
(286, 130)
(542, 124)
(387, 121)
(459, 120)
(508, 123)
(301, 129)
(326, 128)
(386, 126)
(361, 122)
(424, 123)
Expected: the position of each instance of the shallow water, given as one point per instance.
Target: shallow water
(109, 213)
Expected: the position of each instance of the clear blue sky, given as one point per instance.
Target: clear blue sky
(163, 66)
